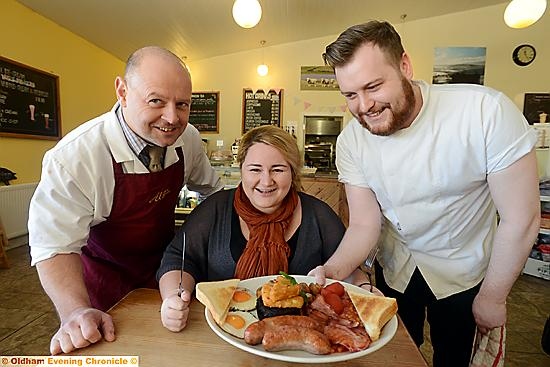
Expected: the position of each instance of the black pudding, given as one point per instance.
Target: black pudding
(264, 311)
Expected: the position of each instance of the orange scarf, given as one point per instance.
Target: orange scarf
(266, 252)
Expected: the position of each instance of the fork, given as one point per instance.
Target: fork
(367, 265)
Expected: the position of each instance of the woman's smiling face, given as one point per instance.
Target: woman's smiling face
(266, 177)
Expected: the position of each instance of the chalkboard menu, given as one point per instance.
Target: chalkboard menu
(204, 113)
(261, 108)
(536, 107)
(29, 102)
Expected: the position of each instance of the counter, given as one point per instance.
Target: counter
(327, 188)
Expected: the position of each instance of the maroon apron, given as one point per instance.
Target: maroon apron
(124, 252)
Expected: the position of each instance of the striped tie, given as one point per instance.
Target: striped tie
(155, 154)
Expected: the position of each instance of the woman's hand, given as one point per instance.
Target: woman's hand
(175, 311)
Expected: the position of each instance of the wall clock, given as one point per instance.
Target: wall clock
(523, 55)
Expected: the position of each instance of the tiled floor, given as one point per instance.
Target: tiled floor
(28, 319)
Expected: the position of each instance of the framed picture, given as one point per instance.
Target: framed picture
(318, 78)
(29, 102)
(205, 108)
(459, 65)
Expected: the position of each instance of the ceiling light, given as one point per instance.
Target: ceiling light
(523, 13)
(262, 69)
(247, 13)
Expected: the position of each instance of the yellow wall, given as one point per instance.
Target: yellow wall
(478, 28)
(86, 79)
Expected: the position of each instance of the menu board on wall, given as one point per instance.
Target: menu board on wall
(204, 112)
(262, 108)
(536, 107)
(29, 102)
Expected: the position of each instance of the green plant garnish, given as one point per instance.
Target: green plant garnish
(291, 279)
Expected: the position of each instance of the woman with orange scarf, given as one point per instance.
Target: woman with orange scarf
(264, 226)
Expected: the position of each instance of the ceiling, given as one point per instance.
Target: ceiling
(198, 29)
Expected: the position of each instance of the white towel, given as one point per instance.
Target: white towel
(489, 348)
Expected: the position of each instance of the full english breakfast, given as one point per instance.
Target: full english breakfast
(298, 316)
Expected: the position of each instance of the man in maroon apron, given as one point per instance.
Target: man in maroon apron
(124, 252)
(87, 273)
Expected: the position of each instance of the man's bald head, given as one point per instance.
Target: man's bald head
(135, 60)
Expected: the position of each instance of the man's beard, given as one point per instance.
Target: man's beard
(400, 114)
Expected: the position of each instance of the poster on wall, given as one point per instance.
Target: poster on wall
(459, 65)
(536, 107)
(318, 78)
(29, 102)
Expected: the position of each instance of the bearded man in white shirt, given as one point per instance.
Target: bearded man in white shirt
(425, 169)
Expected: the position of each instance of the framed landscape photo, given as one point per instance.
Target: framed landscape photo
(459, 65)
(29, 102)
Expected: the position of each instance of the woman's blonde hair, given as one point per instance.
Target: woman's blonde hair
(278, 139)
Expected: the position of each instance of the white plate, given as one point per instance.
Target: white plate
(299, 356)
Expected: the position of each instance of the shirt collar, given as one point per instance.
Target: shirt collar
(134, 141)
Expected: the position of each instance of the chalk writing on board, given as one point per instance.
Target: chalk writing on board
(261, 108)
(204, 111)
(29, 102)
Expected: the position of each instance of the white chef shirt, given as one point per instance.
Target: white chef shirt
(430, 180)
(77, 184)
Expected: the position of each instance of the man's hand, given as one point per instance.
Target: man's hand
(488, 313)
(319, 273)
(175, 311)
(83, 327)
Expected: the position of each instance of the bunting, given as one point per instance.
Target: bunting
(319, 108)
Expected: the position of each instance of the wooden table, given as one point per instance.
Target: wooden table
(139, 332)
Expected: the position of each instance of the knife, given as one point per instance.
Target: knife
(180, 288)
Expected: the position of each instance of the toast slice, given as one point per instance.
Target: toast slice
(374, 311)
(216, 296)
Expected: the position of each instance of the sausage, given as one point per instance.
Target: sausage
(254, 333)
(296, 338)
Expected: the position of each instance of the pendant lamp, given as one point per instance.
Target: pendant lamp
(247, 13)
(523, 13)
(262, 69)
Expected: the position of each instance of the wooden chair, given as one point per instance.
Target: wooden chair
(4, 263)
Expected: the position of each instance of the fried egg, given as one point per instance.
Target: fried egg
(243, 300)
(236, 322)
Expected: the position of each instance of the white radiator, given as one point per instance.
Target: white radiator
(14, 208)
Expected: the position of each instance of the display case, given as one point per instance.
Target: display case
(538, 263)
